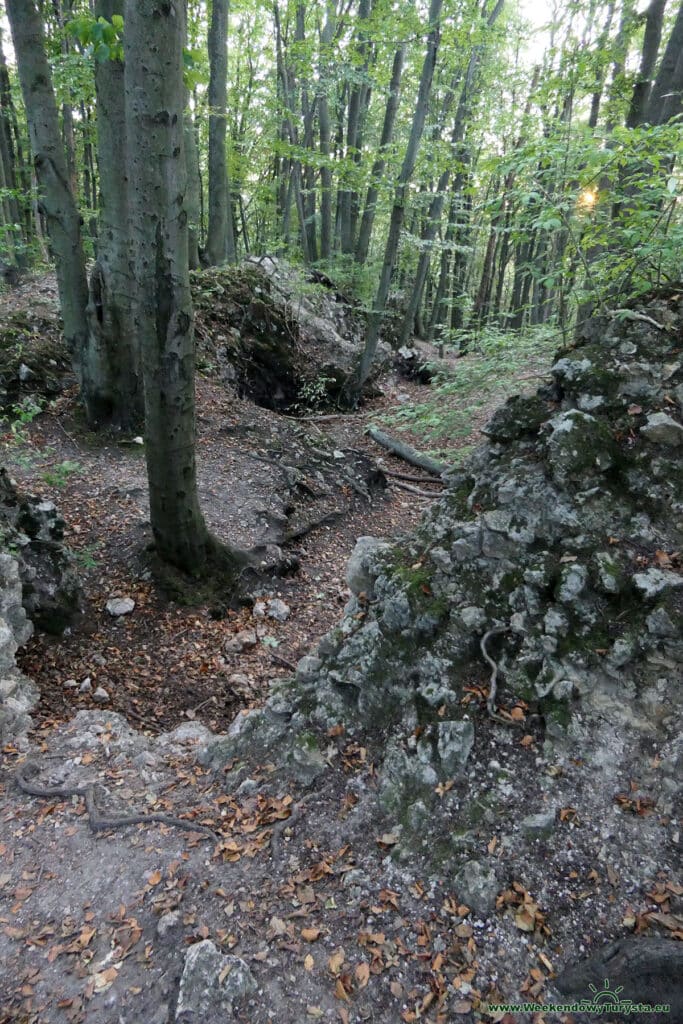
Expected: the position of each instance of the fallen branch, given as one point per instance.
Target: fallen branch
(633, 314)
(279, 660)
(99, 822)
(323, 417)
(408, 476)
(417, 490)
(301, 531)
(408, 454)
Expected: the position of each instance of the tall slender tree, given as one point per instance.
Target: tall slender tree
(56, 197)
(163, 316)
(400, 197)
(109, 309)
(220, 242)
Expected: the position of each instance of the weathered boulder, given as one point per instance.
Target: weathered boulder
(18, 695)
(558, 541)
(34, 359)
(636, 970)
(287, 339)
(33, 529)
(211, 984)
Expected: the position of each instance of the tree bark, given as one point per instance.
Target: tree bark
(112, 338)
(20, 176)
(400, 197)
(220, 242)
(56, 197)
(325, 128)
(654, 21)
(162, 304)
(666, 96)
(357, 98)
(368, 218)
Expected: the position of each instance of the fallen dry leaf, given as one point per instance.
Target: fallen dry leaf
(340, 991)
(336, 961)
(525, 921)
(105, 979)
(362, 974)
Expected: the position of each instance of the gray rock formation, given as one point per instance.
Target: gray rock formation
(33, 531)
(18, 695)
(285, 337)
(561, 533)
(642, 970)
(211, 984)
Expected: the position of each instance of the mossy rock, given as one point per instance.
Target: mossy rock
(34, 360)
(519, 417)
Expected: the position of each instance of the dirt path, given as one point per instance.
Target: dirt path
(300, 885)
(166, 663)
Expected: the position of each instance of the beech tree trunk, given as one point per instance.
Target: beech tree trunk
(57, 200)
(162, 304)
(400, 198)
(220, 242)
(325, 128)
(665, 99)
(194, 185)
(119, 391)
(368, 218)
(358, 96)
(20, 175)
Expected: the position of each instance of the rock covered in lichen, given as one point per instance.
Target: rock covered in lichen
(560, 535)
(33, 529)
(18, 694)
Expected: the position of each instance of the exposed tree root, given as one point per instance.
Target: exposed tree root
(100, 822)
(493, 682)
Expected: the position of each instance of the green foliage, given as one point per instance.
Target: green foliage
(23, 413)
(58, 475)
(100, 38)
(103, 40)
(85, 557)
(313, 394)
(460, 396)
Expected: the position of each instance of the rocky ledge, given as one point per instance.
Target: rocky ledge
(527, 639)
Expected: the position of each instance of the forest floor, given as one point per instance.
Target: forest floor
(166, 663)
(329, 926)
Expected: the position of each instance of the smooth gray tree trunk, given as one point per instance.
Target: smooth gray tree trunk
(666, 96)
(163, 315)
(325, 128)
(56, 198)
(120, 392)
(220, 241)
(435, 213)
(390, 111)
(400, 199)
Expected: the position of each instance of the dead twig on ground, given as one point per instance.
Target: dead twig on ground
(408, 476)
(279, 660)
(301, 531)
(417, 490)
